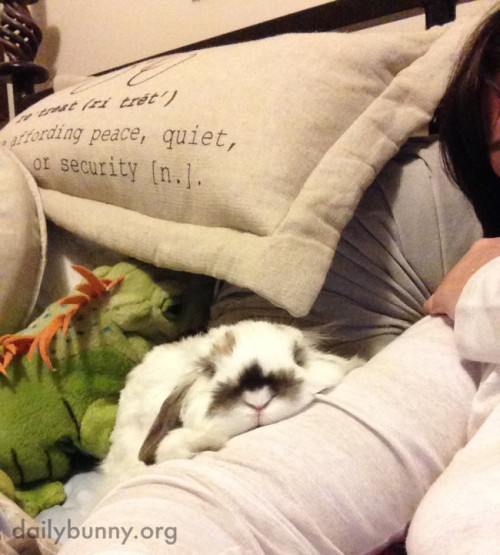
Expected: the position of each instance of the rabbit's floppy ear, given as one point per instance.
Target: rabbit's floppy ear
(167, 420)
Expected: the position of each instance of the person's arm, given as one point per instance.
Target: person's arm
(470, 295)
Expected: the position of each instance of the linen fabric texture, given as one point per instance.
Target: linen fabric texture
(243, 162)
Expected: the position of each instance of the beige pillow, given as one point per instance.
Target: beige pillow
(22, 243)
(227, 161)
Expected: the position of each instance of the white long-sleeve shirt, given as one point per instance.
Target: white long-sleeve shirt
(477, 315)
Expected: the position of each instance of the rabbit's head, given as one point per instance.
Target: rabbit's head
(251, 374)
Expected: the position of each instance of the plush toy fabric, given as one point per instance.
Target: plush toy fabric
(60, 378)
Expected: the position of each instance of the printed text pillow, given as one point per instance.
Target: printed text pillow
(218, 161)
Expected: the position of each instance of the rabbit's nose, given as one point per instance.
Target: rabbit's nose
(258, 398)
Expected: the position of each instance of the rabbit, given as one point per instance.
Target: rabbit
(197, 393)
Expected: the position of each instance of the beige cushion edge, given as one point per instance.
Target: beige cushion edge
(335, 187)
(263, 264)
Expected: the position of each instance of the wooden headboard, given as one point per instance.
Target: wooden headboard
(334, 15)
(337, 15)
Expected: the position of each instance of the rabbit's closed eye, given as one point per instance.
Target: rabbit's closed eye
(253, 379)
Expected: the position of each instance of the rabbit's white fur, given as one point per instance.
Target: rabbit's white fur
(269, 371)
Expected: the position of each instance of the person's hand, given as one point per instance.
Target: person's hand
(445, 298)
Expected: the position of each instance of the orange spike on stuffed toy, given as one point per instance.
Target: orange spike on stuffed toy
(14, 345)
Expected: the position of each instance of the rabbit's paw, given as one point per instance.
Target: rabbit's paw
(184, 443)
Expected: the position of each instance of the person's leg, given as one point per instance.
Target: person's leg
(344, 476)
(461, 512)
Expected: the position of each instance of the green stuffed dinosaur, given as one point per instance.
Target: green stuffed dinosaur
(90, 341)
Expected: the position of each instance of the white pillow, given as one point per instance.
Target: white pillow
(22, 243)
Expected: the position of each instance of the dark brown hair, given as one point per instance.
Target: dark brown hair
(463, 137)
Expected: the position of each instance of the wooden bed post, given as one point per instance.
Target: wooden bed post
(20, 38)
